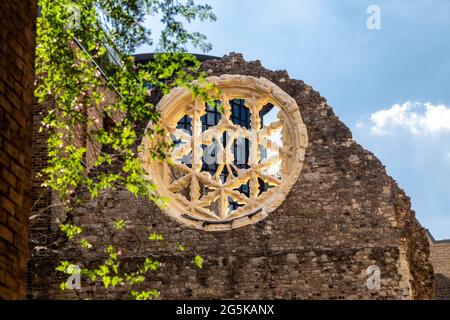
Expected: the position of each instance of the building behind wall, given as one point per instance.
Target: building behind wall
(440, 258)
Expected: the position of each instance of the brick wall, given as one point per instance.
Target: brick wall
(17, 42)
(343, 215)
(440, 258)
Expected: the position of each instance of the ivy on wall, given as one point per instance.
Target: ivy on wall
(73, 39)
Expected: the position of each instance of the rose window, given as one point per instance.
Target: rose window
(235, 160)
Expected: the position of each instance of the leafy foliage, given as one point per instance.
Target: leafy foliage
(180, 247)
(70, 230)
(156, 237)
(73, 38)
(119, 224)
(198, 261)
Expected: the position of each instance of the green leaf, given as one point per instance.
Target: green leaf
(119, 224)
(106, 281)
(63, 286)
(70, 230)
(180, 247)
(156, 237)
(85, 244)
(198, 261)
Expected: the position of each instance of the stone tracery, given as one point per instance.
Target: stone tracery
(233, 194)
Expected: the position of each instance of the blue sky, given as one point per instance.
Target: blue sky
(390, 86)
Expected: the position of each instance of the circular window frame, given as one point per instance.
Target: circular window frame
(179, 102)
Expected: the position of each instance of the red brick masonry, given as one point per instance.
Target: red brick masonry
(17, 43)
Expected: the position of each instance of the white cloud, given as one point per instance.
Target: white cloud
(418, 118)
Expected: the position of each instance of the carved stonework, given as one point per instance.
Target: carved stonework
(273, 160)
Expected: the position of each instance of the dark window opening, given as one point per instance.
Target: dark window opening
(240, 115)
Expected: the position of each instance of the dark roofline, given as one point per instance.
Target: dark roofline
(433, 240)
(430, 236)
(146, 57)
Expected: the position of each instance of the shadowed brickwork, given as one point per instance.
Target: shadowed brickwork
(343, 215)
(440, 258)
(17, 43)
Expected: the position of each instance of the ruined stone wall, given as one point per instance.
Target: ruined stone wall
(343, 215)
(17, 43)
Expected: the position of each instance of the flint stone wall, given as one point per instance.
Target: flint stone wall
(342, 216)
